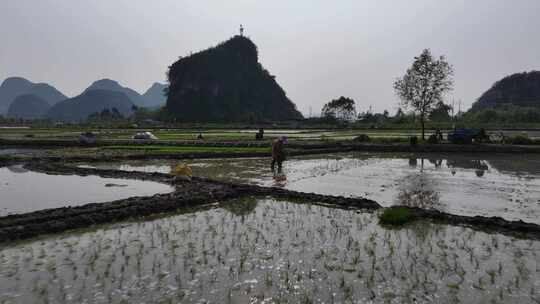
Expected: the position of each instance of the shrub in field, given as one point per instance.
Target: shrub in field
(362, 138)
(432, 139)
(413, 140)
(521, 140)
(395, 216)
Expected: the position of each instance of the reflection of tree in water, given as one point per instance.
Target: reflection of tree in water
(480, 166)
(17, 169)
(417, 190)
(241, 207)
(515, 165)
(436, 161)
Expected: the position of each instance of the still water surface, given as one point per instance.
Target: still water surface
(24, 191)
(466, 184)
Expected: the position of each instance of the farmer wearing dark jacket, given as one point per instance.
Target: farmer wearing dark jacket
(278, 153)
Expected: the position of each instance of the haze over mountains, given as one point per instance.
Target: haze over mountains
(21, 98)
(220, 84)
(13, 87)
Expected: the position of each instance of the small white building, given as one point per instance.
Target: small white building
(145, 136)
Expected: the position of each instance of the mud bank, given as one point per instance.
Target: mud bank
(428, 148)
(294, 151)
(202, 191)
(488, 224)
(297, 147)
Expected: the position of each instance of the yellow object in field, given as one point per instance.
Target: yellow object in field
(183, 171)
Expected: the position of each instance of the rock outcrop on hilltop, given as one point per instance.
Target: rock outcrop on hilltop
(13, 87)
(226, 83)
(521, 89)
(28, 106)
(78, 108)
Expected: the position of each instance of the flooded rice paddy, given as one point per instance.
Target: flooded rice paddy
(465, 184)
(268, 251)
(18, 151)
(24, 191)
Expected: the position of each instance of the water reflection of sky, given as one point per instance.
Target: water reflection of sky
(476, 184)
(23, 191)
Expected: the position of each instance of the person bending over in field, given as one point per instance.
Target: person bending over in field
(278, 153)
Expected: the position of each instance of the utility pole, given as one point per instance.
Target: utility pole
(453, 113)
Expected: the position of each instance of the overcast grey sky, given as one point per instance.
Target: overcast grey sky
(318, 50)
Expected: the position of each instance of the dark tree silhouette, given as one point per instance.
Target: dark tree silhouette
(440, 112)
(424, 84)
(342, 108)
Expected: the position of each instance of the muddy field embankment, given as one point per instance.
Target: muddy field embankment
(293, 149)
(297, 146)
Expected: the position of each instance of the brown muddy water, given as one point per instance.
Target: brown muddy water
(466, 184)
(24, 191)
(268, 251)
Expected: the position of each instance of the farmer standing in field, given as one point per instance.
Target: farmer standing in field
(278, 152)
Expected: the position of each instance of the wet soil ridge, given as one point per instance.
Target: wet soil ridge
(488, 224)
(295, 150)
(59, 169)
(202, 191)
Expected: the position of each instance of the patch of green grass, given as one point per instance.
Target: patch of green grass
(188, 149)
(396, 216)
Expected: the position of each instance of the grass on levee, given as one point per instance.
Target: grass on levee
(395, 216)
(175, 149)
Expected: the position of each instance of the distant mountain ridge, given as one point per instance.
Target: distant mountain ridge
(28, 106)
(521, 89)
(226, 83)
(112, 85)
(155, 95)
(31, 105)
(78, 108)
(13, 87)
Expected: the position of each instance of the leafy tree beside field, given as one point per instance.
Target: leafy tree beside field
(342, 108)
(424, 84)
